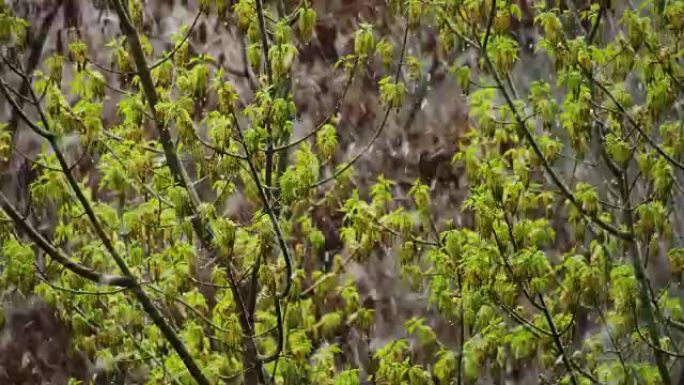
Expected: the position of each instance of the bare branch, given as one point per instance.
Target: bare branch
(264, 39)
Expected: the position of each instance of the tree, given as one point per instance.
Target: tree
(150, 273)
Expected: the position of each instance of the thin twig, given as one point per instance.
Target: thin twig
(163, 59)
(377, 132)
(327, 118)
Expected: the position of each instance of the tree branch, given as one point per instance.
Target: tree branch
(644, 290)
(557, 180)
(327, 118)
(163, 59)
(58, 255)
(377, 132)
(269, 211)
(631, 121)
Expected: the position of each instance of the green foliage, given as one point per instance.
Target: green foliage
(568, 262)
(17, 271)
(5, 143)
(307, 22)
(391, 92)
(364, 40)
